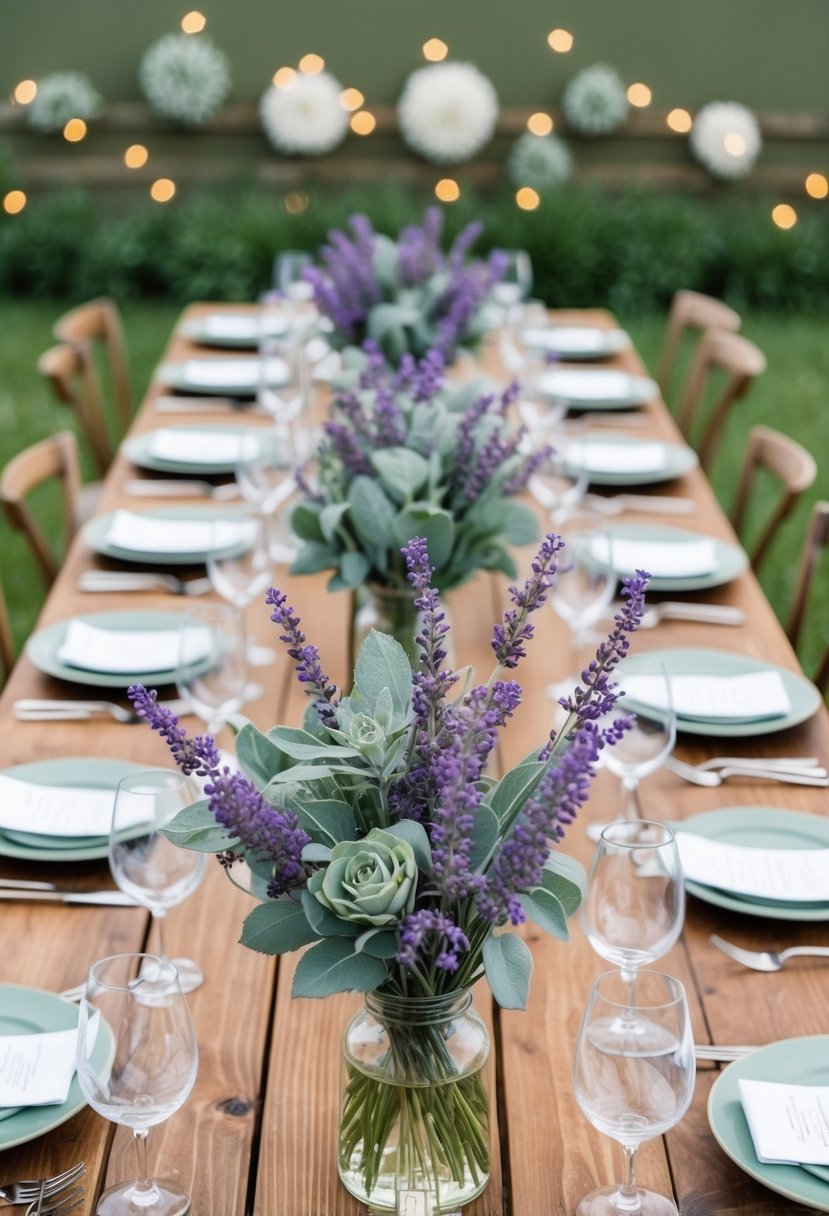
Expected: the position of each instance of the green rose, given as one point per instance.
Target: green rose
(370, 881)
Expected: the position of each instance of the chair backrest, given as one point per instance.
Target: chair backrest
(741, 362)
(817, 540)
(691, 310)
(85, 329)
(787, 460)
(54, 457)
(7, 652)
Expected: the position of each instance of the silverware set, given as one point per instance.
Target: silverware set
(649, 503)
(52, 1195)
(793, 771)
(678, 610)
(33, 709)
(126, 580)
(146, 487)
(767, 960)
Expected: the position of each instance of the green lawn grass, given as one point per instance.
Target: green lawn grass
(791, 396)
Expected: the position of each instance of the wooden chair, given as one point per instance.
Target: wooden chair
(691, 310)
(72, 370)
(786, 460)
(7, 651)
(817, 540)
(741, 362)
(54, 457)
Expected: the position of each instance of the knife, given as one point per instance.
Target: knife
(114, 899)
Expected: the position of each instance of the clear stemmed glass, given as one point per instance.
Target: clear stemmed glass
(137, 1061)
(559, 484)
(635, 903)
(212, 662)
(651, 735)
(632, 1090)
(240, 576)
(144, 863)
(514, 285)
(581, 593)
(289, 267)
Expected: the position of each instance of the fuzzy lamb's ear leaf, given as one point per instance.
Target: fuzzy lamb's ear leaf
(513, 790)
(546, 912)
(434, 524)
(195, 828)
(382, 663)
(485, 834)
(401, 471)
(415, 835)
(326, 820)
(258, 755)
(508, 965)
(333, 966)
(277, 926)
(564, 878)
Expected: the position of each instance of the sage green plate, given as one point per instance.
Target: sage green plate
(73, 772)
(760, 827)
(730, 559)
(238, 376)
(804, 698)
(576, 342)
(802, 1061)
(96, 530)
(678, 459)
(231, 330)
(32, 1009)
(609, 389)
(43, 646)
(138, 449)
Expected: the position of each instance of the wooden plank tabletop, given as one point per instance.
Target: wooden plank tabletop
(258, 1133)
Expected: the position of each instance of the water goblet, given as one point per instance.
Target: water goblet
(559, 484)
(629, 1089)
(514, 285)
(635, 903)
(651, 733)
(144, 863)
(242, 575)
(137, 1062)
(289, 267)
(211, 673)
(581, 592)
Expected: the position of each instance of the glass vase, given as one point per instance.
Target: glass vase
(415, 1113)
(388, 610)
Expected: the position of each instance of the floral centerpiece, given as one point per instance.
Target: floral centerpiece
(404, 454)
(375, 838)
(407, 295)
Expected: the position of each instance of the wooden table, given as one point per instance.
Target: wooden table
(258, 1133)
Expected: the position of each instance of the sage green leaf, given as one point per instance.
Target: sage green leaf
(379, 943)
(276, 927)
(508, 965)
(314, 556)
(384, 260)
(299, 745)
(326, 820)
(545, 911)
(564, 877)
(329, 520)
(513, 790)
(316, 853)
(415, 834)
(484, 835)
(321, 919)
(372, 513)
(401, 471)
(332, 966)
(306, 522)
(382, 663)
(195, 828)
(354, 570)
(519, 525)
(259, 755)
(434, 524)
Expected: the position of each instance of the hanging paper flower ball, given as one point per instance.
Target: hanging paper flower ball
(595, 101)
(539, 161)
(60, 97)
(306, 117)
(447, 111)
(185, 78)
(725, 139)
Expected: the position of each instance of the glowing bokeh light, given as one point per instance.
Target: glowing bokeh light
(447, 190)
(560, 40)
(363, 122)
(540, 123)
(351, 99)
(435, 49)
(311, 64)
(527, 198)
(680, 121)
(75, 130)
(784, 215)
(734, 144)
(14, 202)
(136, 156)
(296, 202)
(24, 92)
(639, 94)
(193, 22)
(283, 78)
(817, 185)
(162, 190)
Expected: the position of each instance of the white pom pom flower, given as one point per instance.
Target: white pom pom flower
(447, 111)
(595, 101)
(305, 118)
(539, 161)
(184, 78)
(725, 139)
(62, 96)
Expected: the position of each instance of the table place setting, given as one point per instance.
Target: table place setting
(235, 329)
(238, 376)
(625, 460)
(596, 388)
(170, 535)
(576, 342)
(676, 558)
(203, 450)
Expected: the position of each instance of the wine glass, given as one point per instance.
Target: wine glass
(560, 482)
(211, 674)
(144, 863)
(289, 267)
(651, 733)
(136, 1062)
(632, 1090)
(581, 592)
(635, 903)
(514, 285)
(242, 575)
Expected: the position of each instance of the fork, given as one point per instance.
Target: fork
(620, 503)
(790, 776)
(676, 610)
(36, 1188)
(61, 1205)
(787, 763)
(767, 960)
(116, 580)
(147, 488)
(33, 709)
(725, 1053)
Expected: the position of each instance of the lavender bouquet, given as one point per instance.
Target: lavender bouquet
(408, 296)
(375, 838)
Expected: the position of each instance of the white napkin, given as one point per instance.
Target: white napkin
(52, 810)
(663, 559)
(242, 327)
(602, 384)
(234, 375)
(788, 1123)
(598, 457)
(130, 530)
(127, 651)
(793, 875)
(37, 1069)
(578, 339)
(189, 445)
(740, 698)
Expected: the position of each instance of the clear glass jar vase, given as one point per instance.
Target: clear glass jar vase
(415, 1113)
(388, 610)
